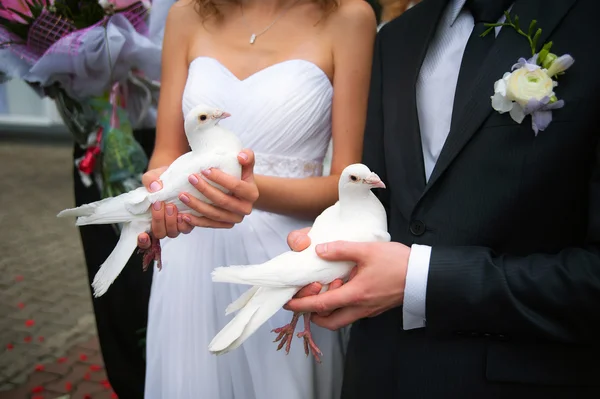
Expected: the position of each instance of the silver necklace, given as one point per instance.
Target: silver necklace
(254, 36)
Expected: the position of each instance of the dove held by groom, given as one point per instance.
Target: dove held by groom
(375, 285)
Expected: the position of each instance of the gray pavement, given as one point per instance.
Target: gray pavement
(45, 303)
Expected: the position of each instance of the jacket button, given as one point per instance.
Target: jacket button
(417, 227)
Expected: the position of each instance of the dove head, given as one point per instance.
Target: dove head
(358, 178)
(202, 117)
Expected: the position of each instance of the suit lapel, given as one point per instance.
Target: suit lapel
(402, 64)
(508, 47)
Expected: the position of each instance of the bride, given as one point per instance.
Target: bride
(293, 74)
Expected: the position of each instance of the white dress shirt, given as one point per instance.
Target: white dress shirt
(436, 86)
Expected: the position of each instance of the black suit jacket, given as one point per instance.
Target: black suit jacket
(513, 295)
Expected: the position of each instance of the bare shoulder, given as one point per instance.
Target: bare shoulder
(352, 15)
(182, 12)
(182, 15)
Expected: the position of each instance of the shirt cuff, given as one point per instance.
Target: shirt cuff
(415, 291)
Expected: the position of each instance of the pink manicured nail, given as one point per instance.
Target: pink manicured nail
(206, 172)
(184, 198)
(193, 179)
(170, 210)
(157, 205)
(321, 249)
(243, 155)
(143, 240)
(179, 219)
(155, 186)
(187, 219)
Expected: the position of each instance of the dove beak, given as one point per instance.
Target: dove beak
(374, 181)
(225, 115)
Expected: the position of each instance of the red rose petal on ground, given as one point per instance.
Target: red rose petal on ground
(27, 339)
(95, 367)
(113, 396)
(10, 347)
(29, 323)
(19, 278)
(83, 357)
(105, 384)
(68, 386)
(37, 389)
(39, 367)
(87, 376)
(87, 396)
(61, 360)
(20, 305)
(41, 339)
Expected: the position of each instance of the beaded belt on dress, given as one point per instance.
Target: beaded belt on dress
(283, 166)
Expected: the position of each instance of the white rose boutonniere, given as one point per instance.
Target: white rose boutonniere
(529, 88)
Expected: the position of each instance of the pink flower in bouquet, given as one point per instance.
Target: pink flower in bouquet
(8, 8)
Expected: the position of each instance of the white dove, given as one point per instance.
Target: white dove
(212, 147)
(358, 216)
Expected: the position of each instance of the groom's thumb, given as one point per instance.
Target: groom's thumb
(342, 250)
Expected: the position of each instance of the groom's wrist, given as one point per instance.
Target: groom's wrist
(415, 291)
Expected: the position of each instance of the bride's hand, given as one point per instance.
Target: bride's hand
(226, 209)
(165, 220)
(299, 240)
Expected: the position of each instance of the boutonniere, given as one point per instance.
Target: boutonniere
(529, 88)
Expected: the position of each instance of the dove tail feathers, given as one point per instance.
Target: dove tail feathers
(266, 274)
(259, 304)
(116, 261)
(123, 208)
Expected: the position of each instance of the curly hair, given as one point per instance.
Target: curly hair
(391, 9)
(207, 8)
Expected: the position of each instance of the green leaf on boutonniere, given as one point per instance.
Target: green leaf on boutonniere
(516, 23)
(535, 40)
(532, 27)
(544, 53)
(488, 30)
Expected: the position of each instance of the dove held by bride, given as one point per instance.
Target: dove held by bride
(212, 146)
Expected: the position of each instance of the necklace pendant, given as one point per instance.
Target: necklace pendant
(252, 38)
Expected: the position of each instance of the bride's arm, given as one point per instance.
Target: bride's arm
(170, 136)
(352, 30)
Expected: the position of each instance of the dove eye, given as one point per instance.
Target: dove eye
(203, 117)
(353, 178)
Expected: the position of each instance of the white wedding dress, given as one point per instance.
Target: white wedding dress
(283, 113)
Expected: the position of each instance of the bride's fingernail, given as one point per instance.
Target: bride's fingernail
(169, 210)
(184, 198)
(155, 186)
(193, 179)
(187, 219)
(143, 240)
(179, 219)
(206, 172)
(297, 240)
(321, 249)
(243, 155)
(157, 205)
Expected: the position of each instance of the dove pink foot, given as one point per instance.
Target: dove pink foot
(151, 254)
(309, 344)
(286, 333)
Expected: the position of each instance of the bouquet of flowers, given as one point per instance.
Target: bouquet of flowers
(94, 58)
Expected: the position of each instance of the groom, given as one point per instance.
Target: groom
(491, 288)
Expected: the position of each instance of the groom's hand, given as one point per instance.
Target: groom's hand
(377, 285)
(299, 240)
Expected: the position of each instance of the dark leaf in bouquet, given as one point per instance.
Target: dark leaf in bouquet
(83, 13)
(17, 29)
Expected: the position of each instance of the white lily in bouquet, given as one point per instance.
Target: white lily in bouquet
(93, 57)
